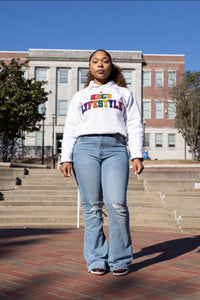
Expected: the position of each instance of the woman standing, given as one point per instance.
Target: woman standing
(102, 118)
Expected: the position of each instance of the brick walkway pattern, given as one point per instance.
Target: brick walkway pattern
(49, 265)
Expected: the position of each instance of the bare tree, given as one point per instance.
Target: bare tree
(186, 95)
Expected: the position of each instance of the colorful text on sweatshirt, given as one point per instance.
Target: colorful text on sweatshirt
(101, 100)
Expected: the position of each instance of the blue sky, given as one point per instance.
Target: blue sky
(153, 27)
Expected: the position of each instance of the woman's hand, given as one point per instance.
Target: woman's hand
(66, 169)
(137, 166)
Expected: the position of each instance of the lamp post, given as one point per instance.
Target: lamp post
(43, 113)
(53, 135)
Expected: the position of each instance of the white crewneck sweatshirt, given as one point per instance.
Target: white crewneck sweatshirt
(103, 109)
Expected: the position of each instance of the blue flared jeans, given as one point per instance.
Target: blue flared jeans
(101, 168)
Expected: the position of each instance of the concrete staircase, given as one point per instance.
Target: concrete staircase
(180, 193)
(46, 199)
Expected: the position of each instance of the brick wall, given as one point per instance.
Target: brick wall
(8, 56)
(165, 63)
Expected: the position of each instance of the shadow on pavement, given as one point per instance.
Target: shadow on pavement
(12, 239)
(167, 251)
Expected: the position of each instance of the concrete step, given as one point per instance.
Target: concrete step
(47, 202)
(41, 198)
(39, 210)
(12, 172)
(21, 221)
(10, 224)
(189, 220)
(50, 181)
(182, 200)
(47, 187)
(133, 194)
(171, 184)
(69, 203)
(158, 213)
(45, 221)
(21, 195)
(153, 218)
(7, 182)
(166, 174)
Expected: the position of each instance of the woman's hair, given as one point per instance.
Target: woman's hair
(115, 74)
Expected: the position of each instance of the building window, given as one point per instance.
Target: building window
(146, 78)
(62, 107)
(63, 76)
(159, 109)
(128, 76)
(147, 140)
(146, 110)
(171, 140)
(171, 78)
(158, 78)
(171, 110)
(159, 140)
(38, 138)
(41, 74)
(83, 75)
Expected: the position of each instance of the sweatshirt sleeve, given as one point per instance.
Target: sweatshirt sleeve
(134, 128)
(69, 137)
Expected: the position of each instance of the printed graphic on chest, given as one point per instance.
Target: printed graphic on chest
(101, 100)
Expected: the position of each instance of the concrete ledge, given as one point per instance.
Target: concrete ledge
(173, 166)
(10, 177)
(22, 165)
(12, 172)
(169, 173)
(7, 183)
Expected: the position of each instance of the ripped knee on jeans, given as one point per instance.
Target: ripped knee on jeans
(96, 209)
(120, 209)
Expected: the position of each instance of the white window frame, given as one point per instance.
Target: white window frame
(158, 139)
(38, 76)
(171, 81)
(146, 115)
(146, 81)
(128, 75)
(159, 82)
(146, 140)
(80, 75)
(159, 113)
(173, 143)
(60, 77)
(171, 111)
(38, 138)
(60, 109)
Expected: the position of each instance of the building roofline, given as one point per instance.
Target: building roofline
(164, 54)
(34, 49)
(14, 51)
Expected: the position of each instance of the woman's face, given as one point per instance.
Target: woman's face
(100, 67)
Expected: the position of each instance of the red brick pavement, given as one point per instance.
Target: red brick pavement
(49, 265)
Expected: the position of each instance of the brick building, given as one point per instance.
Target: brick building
(160, 74)
(149, 77)
(7, 56)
